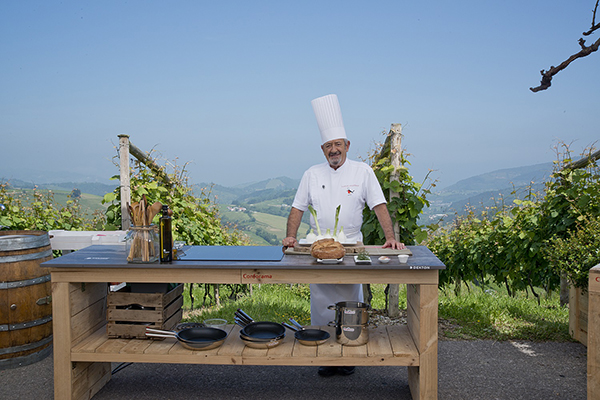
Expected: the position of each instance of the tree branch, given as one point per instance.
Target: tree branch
(547, 75)
(585, 51)
(594, 24)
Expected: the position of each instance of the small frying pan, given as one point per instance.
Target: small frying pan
(201, 338)
(307, 337)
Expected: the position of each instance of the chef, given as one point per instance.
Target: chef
(325, 186)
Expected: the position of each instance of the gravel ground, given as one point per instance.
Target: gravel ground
(478, 369)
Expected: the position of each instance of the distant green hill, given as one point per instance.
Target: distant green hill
(503, 178)
(490, 189)
(266, 203)
(98, 189)
(244, 193)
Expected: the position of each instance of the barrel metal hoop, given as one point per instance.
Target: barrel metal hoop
(27, 282)
(26, 360)
(23, 242)
(25, 325)
(26, 257)
(25, 347)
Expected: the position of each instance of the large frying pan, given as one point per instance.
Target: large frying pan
(258, 330)
(200, 338)
(307, 337)
(259, 335)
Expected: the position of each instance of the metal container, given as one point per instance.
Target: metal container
(351, 335)
(350, 313)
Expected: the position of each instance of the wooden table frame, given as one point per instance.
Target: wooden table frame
(83, 352)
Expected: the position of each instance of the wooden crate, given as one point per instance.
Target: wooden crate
(593, 342)
(128, 314)
(578, 314)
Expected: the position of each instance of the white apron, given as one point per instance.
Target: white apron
(352, 186)
(324, 295)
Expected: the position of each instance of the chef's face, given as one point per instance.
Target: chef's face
(335, 152)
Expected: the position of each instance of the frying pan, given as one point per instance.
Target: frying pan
(258, 329)
(261, 344)
(261, 334)
(200, 338)
(307, 337)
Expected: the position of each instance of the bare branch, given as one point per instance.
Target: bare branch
(594, 24)
(585, 51)
(547, 75)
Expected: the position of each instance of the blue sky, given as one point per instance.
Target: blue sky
(226, 86)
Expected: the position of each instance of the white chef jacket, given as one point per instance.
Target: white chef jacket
(352, 185)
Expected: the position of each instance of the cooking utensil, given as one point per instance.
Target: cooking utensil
(240, 313)
(201, 338)
(263, 330)
(350, 313)
(351, 335)
(243, 317)
(307, 336)
(257, 344)
(258, 332)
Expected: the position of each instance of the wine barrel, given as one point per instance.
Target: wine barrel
(25, 298)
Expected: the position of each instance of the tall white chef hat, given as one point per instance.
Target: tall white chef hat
(329, 117)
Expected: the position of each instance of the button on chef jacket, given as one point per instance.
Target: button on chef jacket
(352, 185)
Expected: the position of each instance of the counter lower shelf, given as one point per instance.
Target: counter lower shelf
(388, 345)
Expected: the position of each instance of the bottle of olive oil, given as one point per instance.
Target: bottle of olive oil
(166, 236)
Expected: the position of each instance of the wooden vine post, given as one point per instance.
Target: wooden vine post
(396, 162)
(124, 180)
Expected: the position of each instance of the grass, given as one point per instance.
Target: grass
(474, 314)
(493, 314)
(267, 303)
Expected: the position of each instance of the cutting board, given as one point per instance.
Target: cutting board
(353, 249)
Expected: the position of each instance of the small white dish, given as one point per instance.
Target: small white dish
(356, 260)
(330, 260)
(384, 259)
(403, 258)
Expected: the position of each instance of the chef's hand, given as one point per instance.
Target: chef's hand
(394, 244)
(289, 242)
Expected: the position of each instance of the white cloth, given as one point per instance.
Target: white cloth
(329, 118)
(352, 185)
(324, 295)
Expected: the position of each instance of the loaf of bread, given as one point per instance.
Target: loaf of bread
(327, 249)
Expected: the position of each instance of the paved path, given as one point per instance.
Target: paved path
(470, 370)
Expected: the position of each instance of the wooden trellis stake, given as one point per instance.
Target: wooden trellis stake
(396, 161)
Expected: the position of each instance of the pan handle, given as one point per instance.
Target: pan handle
(332, 307)
(296, 324)
(244, 315)
(152, 330)
(239, 323)
(160, 333)
(332, 323)
(293, 328)
(243, 320)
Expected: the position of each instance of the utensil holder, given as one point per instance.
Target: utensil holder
(142, 244)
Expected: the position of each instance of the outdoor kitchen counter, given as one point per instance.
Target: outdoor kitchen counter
(83, 352)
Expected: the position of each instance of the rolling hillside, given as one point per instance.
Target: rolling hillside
(260, 209)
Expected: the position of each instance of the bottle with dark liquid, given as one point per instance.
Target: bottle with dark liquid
(166, 236)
